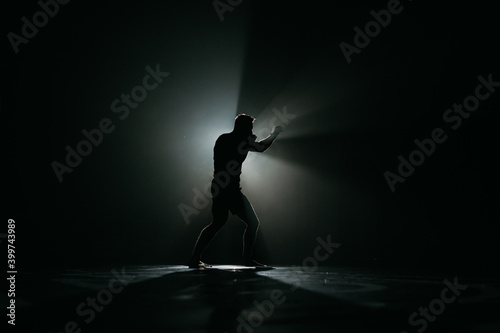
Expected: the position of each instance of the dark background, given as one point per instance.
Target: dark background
(323, 176)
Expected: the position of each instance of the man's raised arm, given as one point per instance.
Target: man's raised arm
(262, 145)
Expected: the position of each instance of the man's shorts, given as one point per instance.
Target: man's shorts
(231, 200)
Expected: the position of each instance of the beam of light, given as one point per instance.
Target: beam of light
(311, 105)
(323, 97)
(327, 281)
(308, 92)
(297, 191)
(274, 176)
(284, 195)
(258, 166)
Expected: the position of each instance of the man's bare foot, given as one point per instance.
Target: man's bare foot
(198, 264)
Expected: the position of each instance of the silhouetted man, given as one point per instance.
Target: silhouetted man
(230, 151)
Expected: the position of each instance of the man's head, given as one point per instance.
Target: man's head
(243, 124)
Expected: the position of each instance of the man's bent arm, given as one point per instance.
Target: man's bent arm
(263, 144)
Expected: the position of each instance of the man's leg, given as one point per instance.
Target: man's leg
(247, 214)
(219, 216)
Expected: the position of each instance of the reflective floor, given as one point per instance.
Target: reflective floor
(232, 299)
